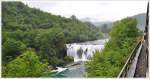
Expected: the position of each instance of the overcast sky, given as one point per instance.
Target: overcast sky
(95, 10)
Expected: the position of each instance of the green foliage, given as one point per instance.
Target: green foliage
(23, 26)
(25, 65)
(109, 62)
(12, 48)
(68, 59)
(51, 44)
(105, 28)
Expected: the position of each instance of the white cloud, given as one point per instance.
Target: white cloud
(96, 10)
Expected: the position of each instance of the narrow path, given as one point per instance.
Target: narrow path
(132, 67)
(142, 63)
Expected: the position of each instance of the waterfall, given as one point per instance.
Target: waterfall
(83, 51)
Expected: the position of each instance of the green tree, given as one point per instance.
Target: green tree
(25, 65)
(52, 46)
(24, 27)
(111, 59)
(12, 48)
(105, 28)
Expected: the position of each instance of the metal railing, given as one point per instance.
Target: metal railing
(124, 70)
(145, 38)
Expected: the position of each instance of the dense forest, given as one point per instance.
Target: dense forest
(33, 40)
(123, 38)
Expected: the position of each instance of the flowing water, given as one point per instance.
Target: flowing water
(84, 51)
(81, 52)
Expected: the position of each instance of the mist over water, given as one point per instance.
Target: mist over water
(80, 52)
(84, 51)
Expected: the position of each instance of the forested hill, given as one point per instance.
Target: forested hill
(26, 28)
(141, 19)
(17, 16)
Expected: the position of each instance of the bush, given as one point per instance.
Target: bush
(12, 48)
(25, 65)
(111, 59)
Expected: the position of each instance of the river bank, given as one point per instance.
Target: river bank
(81, 53)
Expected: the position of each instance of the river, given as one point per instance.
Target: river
(81, 52)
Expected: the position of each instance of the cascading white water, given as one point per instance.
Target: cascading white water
(84, 51)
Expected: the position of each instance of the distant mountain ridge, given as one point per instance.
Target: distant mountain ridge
(100, 24)
(141, 19)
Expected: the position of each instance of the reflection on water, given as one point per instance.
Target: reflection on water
(81, 52)
(74, 71)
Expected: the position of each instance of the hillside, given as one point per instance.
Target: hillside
(18, 16)
(25, 28)
(141, 18)
(109, 61)
(100, 24)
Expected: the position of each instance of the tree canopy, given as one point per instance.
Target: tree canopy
(111, 59)
(24, 28)
(25, 65)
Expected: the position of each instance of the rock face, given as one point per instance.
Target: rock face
(84, 51)
(79, 53)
